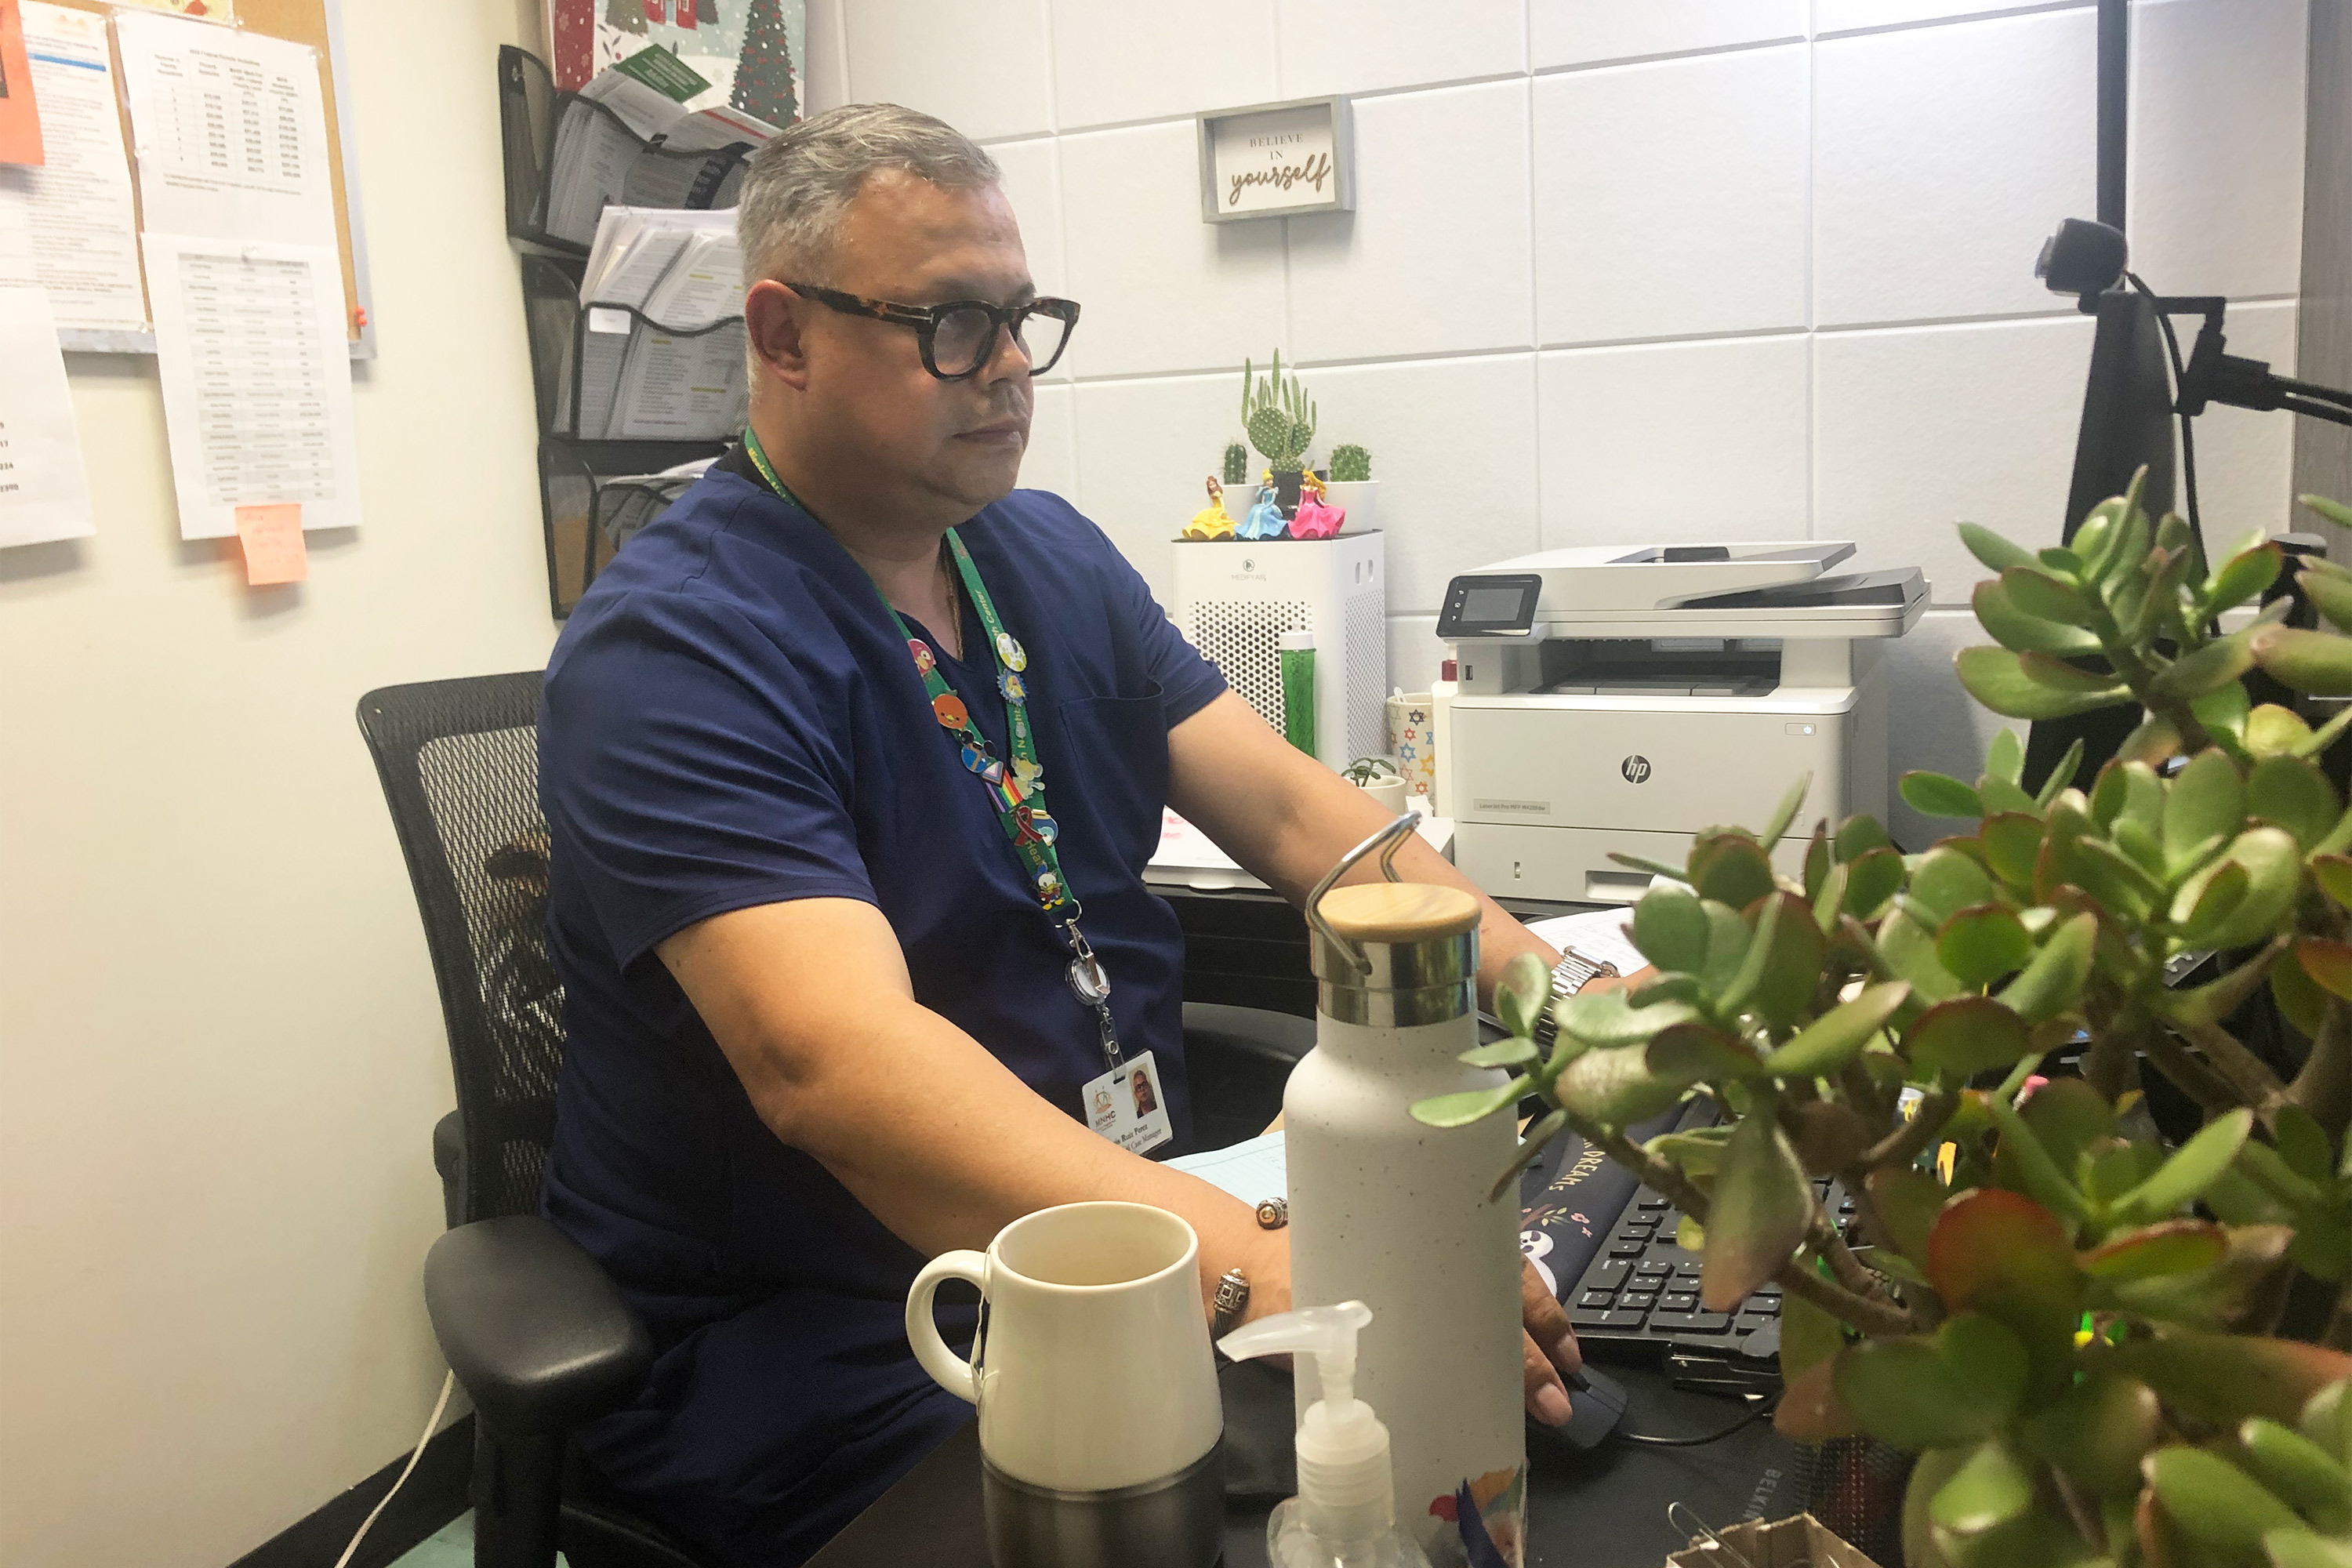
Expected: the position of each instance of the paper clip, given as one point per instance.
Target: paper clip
(1680, 1516)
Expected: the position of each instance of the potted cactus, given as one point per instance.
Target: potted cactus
(1352, 487)
(2105, 1345)
(1279, 419)
(1241, 490)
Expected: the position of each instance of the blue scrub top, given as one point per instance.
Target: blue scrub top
(732, 717)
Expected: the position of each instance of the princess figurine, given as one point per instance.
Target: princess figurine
(1315, 520)
(1264, 519)
(1211, 522)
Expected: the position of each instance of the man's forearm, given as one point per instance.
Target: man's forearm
(934, 1135)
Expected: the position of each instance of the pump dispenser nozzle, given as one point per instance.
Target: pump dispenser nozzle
(1345, 1494)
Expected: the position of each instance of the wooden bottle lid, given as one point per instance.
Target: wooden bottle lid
(1399, 912)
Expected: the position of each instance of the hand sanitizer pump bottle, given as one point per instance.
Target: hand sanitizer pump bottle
(1387, 1211)
(1345, 1513)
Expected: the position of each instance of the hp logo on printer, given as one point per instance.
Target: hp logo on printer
(1635, 768)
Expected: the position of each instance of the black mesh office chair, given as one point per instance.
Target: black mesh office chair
(536, 1332)
(538, 1335)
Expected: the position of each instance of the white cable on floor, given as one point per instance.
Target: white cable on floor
(431, 1421)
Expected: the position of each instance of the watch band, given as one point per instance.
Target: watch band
(1568, 976)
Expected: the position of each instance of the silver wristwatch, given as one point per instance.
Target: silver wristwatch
(1568, 976)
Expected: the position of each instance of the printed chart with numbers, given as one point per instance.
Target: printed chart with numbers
(257, 381)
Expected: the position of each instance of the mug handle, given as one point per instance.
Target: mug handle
(949, 1370)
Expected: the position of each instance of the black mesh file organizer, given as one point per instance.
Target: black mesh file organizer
(595, 495)
(532, 119)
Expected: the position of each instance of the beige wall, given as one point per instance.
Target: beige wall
(220, 1053)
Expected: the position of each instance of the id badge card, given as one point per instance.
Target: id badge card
(1125, 1105)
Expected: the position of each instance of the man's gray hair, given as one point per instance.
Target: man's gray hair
(798, 188)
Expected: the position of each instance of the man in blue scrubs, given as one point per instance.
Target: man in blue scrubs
(846, 760)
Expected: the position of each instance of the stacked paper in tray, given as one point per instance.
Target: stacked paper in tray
(621, 142)
(660, 349)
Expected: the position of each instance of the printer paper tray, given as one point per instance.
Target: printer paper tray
(1572, 865)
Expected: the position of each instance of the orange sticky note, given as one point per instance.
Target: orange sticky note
(272, 537)
(20, 121)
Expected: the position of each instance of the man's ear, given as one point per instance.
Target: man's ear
(773, 315)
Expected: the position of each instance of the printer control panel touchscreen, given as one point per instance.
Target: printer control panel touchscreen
(1501, 605)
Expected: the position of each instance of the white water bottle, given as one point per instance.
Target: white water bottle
(1390, 1212)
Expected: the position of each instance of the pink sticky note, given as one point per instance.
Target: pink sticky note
(272, 536)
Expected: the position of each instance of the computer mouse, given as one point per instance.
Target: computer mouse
(1596, 1403)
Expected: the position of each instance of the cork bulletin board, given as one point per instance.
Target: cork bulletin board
(318, 24)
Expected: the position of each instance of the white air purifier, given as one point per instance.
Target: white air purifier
(1235, 597)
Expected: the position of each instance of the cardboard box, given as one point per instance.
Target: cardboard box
(1799, 1542)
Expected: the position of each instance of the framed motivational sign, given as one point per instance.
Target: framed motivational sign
(1275, 159)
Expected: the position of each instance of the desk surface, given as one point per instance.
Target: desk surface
(1605, 1507)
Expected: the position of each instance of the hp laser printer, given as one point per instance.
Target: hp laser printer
(1627, 697)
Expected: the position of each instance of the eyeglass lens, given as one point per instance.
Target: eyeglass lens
(963, 339)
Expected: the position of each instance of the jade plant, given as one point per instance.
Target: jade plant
(2104, 1348)
(1278, 415)
(1350, 464)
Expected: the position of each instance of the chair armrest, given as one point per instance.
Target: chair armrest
(449, 1161)
(533, 1328)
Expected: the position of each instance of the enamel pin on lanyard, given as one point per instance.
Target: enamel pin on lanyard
(1125, 1104)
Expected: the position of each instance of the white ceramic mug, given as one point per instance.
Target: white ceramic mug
(1093, 1372)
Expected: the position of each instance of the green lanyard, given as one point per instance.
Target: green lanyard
(1018, 791)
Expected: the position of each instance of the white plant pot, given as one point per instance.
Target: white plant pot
(1389, 793)
(1360, 499)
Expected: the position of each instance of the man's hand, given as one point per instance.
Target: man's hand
(1550, 1347)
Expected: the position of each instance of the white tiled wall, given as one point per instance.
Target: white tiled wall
(1625, 269)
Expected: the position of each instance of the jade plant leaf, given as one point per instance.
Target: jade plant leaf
(2275, 732)
(2274, 864)
(2298, 997)
(1614, 1087)
(1608, 1019)
(1999, 1253)
(1960, 1386)
(1689, 1052)
(2200, 908)
(2206, 799)
(1982, 942)
(2328, 962)
(2036, 592)
(2211, 669)
(2005, 755)
(2213, 1500)
(1991, 1489)
(1906, 1199)
(2053, 983)
(1947, 881)
(1516, 1051)
(2003, 682)
(1670, 928)
(1470, 1105)
(2319, 663)
(2294, 794)
(1908, 949)
(1939, 795)
(1786, 812)
(1998, 553)
(2331, 593)
(2184, 1177)
(1762, 1204)
(2222, 1379)
(2096, 1432)
(2299, 1471)
(2175, 1246)
(1521, 995)
(1857, 835)
(1872, 878)
(1831, 1041)
(2241, 577)
(2014, 628)
(1793, 969)
(1731, 868)
(2011, 839)
(1964, 1036)
(2334, 875)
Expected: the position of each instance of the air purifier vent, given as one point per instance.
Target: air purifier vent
(1243, 638)
(1367, 675)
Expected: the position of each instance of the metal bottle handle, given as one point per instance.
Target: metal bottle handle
(1388, 841)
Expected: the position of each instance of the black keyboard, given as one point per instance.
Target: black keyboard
(1609, 1248)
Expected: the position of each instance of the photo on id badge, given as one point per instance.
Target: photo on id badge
(1125, 1106)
